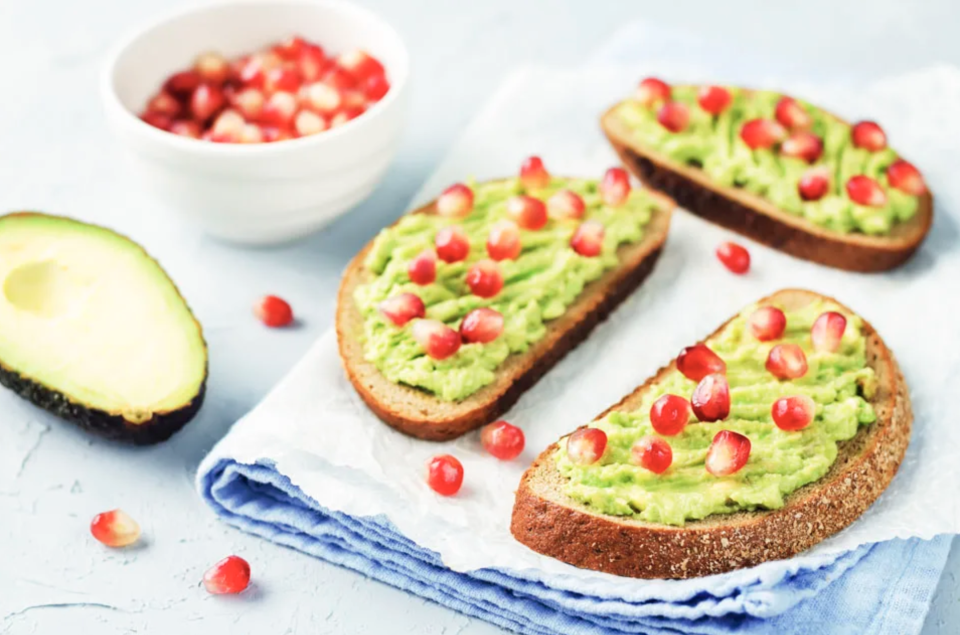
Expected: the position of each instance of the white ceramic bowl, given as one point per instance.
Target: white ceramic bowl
(258, 193)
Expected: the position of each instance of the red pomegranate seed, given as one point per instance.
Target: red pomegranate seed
(503, 243)
(311, 63)
(802, 145)
(279, 110)
(228, 124)
(863, 190)
(533, 176)
(906, 178)
(565, 204)
(291, 48)
(452, 244)
(869, 136)
(206, 102)
(164, 103)
(814, 184)
(652, 90)
(787, 361)
(322, 97)
(360, 65)
(528, 212)
(229, 576)
(728, 453)
(762, 133)
(249, 103)
(272, 133)
(586, 446)
(502, 440)
(423, 268)
(437, 339)
(481, 326)
(273, 311)
(186, 128)
(354, 99)
(455, 201)
(212, 68)
(376, 87)
(827, 332)
(484, 278)
(674, 116)
(793, 413)
(734, 257)
(308, 123)
(587, 240)
(252, 73)
(402, 308)
(711, 398)
(284, 78)
(697, 361)
(444, 474)
(345, 115)
(615, 187)
(767, 323)
(182, 84)
(669, 415)
(155, 119)
(339, 78)
(714, 99)
(115, 528)
(652, 453)
(250, 133)
(792, 115)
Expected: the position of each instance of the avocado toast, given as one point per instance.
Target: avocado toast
(776, 450)
(776, 169)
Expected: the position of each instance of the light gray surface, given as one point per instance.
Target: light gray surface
(55, 155)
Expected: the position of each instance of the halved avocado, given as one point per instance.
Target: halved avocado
(93, 330)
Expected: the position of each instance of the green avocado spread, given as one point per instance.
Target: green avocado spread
(538, 286)
(780, 462)
(713, 143)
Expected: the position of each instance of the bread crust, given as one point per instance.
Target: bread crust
(555, 525)
(755, 217)
(419, 414)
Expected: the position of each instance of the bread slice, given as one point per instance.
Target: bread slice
(419, 414)
(755, 217)
(551, 523)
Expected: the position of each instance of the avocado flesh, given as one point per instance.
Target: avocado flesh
(93, 329)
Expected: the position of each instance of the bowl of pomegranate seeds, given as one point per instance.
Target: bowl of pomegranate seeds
(260, 120)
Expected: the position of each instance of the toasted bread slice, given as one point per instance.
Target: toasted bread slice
(419, 414)
(755, 217)
(551, 523)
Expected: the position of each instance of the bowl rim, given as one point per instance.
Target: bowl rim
(133, 122)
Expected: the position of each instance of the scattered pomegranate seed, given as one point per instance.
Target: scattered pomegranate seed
(291, 48)
(481, 326)
(728, 453)
(182, 84)
(533, 176)
(212, 68)
(280, 109)
(669, 415)
(814, 184)
(503, 440)
(323, 98)
(402, 308)
(869, 136)
(674, 116)
(272, 133)
(714, 99)
(229, 576)
(793, 413)
(906, 178)
(827, 332)
(767, 323)
(252, 73)
(734, 257)
(360, 65)
(354, 99)
(802, 145)
(423, 268)
(484, 278)
(345, 115)
(711, 398)
(115, 528)
(762, 133)
(452, 244)
(863, 190)
(565, 204)
(586, 446)
(615, 187)
(503, 243)
(186, 128)
(284, 78)
(339, 79)
(792, 115)
(376, 87)
(164, 103)
(250, 133)
(652, 453)
(228, 123)
(697, 361)
(444, 474)
(652, 90)
(206, 102)
(437, 339)
(249, 103)
(528, 212)
(311, 63)
(273, 311)
(587, 240)
(308, 123)
(456, 200)
(787, 361)
(157, 120)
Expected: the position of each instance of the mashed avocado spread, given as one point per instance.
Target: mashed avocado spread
(714, 144)
(538, 286)
(780, 461)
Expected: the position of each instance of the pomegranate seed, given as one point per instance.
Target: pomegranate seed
(228, 123)
(674, 116)
(863, 190)
(711, 398)
(484, 278)
(321, 97)
(155, 119)
(252, 73)
(402, 308)
(792, 115)
(311, 63)
(115, 528)
(803, 145)
(437, 339)
(182, 84)
(814, 184)
(565, 204)
(186, 128)
(456, 200)
(734, 257)
(533, 176)
(652, 90)
(869, 136)
(714, 99)
(452, 244)
(793, 413)
(354, 99)
(339, 78)
(423, 268)
(615, 187)
(229, 576)
(360, 65)
(586, 446)
(787, 361)
(345, 115)
(502, 440)
(206, 102)
(249, 103)
(250, 133)
(279, 110)
(283, 78)
(163, 103)
(652, 453)
(445, 474)
(291, 48)
(273, 311)
(728, 453)
(827, 332)
(767, 323)
(697, 361)
(528, 212)
(503, 243)
(376, 87)
(587, 240)
(307, 123)
(272, 133)
(762, 133)
(906, 178)
(481, 326)
(212, 68)
(669, 415)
